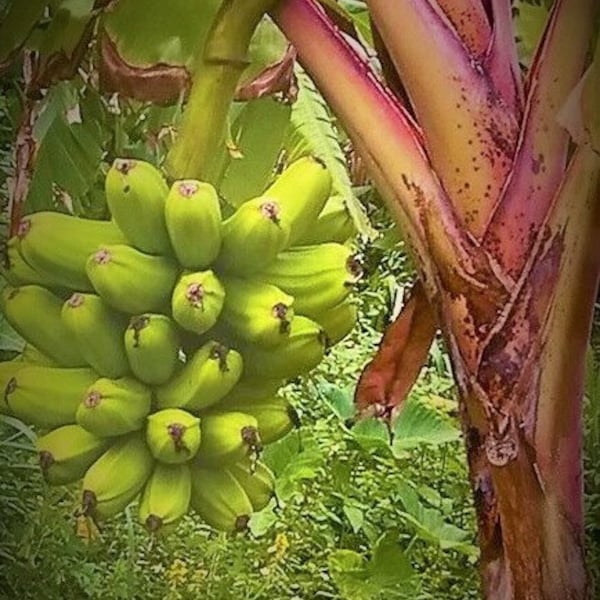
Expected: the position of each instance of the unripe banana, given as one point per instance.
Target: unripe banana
(227, 438)
(334, 224)
(34, 312)
(16, 270)
(207, 377)
(302, 351)
(173, 435)
(8, 371)
(152, 347)
(131, 281)
(47, 397)
(256, 479)
(275, 416)
(219, 499)
(166, 496)
(116, 478)
(318, 277)
(136, 193)
(250, 390)
(112, 407)
(338, 321)
(301, 192)
(98, 333)
(66, 453)
(33, 356)
(193, 218)
(256, 312)
(197, 301)
(58, 245)
(252, 237)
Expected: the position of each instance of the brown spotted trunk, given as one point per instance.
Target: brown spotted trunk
(492, 177)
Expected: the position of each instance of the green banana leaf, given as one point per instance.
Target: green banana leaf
(354, 12)
(154, 59)
(16, 25)
(66, 26)
(60, 43)
(147, 32)
(70, 135)
(267, 46)
(257, 135)
(530, 20)
(160, 52)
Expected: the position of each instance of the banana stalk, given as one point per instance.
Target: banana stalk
(221, 65)
(500, 215)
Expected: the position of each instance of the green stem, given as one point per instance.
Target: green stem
(223, 61)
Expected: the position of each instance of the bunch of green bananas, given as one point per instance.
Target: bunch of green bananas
(157, 341)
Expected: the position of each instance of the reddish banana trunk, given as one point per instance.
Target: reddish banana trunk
(504, 227)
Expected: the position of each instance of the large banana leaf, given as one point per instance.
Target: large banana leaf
(156, 59)
(153, 60)
(62, 45)
(257, 135)
(267, 46)
(57, 30)
(16, 23)
(530, 20)
(69, 136)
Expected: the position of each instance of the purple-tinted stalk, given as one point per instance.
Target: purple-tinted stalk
(503, 224)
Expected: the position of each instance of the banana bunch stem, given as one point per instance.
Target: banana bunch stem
(217, 74)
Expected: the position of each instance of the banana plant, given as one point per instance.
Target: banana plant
(491, 172)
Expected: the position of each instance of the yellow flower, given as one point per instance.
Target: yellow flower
(177, 572)
(279, 547)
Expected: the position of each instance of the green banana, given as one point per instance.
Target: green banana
(33, 356)
(47, 397)
(173, 435)
(318, 277)
(66, 453)
(8, 371)
(207, 377)
(136, 193)
(338, 321)
(98, 333)
(274, 415)
(197, 301)
(227, 437)
(166, 496)
(256, 479)
(193, 218)
(301, 192)
(256, 312)
(15, 269)
(301, 351)
(58, 246)
(334, 224)
(34, 312)
(219, 499)
(131, 281)
(252, 237)
(116, 478)
(152, 347)
(249, 390)
(112, 407)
